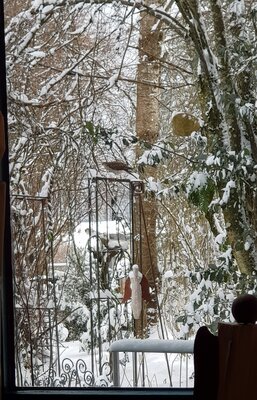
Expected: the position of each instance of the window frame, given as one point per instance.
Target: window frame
(7, 368)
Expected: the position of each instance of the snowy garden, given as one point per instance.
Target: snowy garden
(133, 157)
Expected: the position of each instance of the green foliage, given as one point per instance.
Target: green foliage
(213, 291)
(203, 196)
(100, 134)
(90, 129)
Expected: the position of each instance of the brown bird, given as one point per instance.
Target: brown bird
(117, 166)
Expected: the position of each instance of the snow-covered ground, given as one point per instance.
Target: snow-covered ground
(152, 368)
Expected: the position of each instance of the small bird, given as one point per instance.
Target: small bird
(117, 166)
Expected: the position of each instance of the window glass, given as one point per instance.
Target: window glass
(127, 174)
(85, 252)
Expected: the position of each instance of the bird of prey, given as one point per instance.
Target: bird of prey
(117, 166)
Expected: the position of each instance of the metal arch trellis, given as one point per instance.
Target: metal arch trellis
(110, 250)
(34, 283)
(112, 202)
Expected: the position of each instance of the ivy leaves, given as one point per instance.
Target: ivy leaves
(100, 134)
(202, 196)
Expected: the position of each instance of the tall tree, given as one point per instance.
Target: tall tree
(147, 130)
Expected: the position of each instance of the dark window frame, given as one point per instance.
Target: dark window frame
(8, 389)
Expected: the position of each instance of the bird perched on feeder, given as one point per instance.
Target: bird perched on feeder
(117, 166)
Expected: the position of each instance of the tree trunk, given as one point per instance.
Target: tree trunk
(147, 128)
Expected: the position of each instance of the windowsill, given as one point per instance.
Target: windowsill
(125, 393)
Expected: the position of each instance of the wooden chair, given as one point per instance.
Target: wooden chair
(226, 364)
